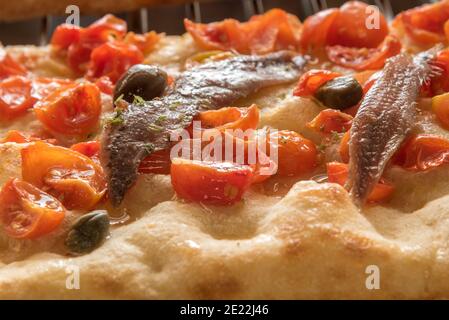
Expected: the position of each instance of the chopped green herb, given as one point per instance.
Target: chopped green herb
(173, 106)
(117, 118)
(138, 100)
(119, 98)
(335, 136)
(161, 119)
(155, 128)
(149, 148)
(321, 147)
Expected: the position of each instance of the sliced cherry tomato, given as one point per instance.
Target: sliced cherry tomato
(90, 149)
(439, 83)
(27, 212)
(21, 137)
(64, 35)
(80, 43)
(310, 81)
(422, 152)
(73, 178)
(15, 97)
(272, 31)
(425, 25)
(343, 149)
(440, 106)
(329, 121)
(220, 183)
(9, 67)
(105, 85)
(112, 59)
(364, 58)
(338, 173)
(145, 42)
(351, 28)
(296, 155)
(72, 110)
(230, 118)
(316, 30)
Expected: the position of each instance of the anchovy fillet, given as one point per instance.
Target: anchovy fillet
(144, 128)
(385, 117)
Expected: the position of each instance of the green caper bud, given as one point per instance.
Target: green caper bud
(88, 232)
(340, 93)
(141, 80)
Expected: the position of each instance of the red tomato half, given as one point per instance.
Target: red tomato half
(338, 173)
(112, 59)
(15, 97)
(329, 121)
(9, 67)
(310, 81)
(364, 58)
(213, 183)
(27, 212)
(73, 110)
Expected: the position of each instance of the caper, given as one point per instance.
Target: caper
(88, 232)
(141, 80)
(340, 93)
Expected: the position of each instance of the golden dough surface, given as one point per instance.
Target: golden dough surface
(286, 240)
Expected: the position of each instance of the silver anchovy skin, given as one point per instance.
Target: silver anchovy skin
(385, 117)
(210, 86)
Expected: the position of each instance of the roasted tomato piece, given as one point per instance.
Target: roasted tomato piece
(22, 137)
(422, 152)
(9, 67)
(364, 58)
(329, 121)
(274, 30)
(64, 35)
(316, 30)
(90, 149)
(351, 27)
(346, 26)
(79, 42)
(215, 183)
(310, 81)
(145, 42)
(105, 85)
(158, 163)
(74, 110)
(27, 212)
(440, 106)
(343, 149)
(230, 118)
(424, 25)
(112, 59)
(439, 83)
(296, 155)
(15, 97)
(338, 173)
(73, 178)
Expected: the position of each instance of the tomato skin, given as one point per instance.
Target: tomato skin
(422, 152)
(349, 28)
(112, 59)
(27, 212)
(310, 81)
(72, 110)
(364, 58)
(230, 118)
(440, 106)
(272, 31)
(329, 121)
(145, 42)
(316, 30)
(158, 162)
(425, 25)
(212, 183)
(9, 67)
(343, 149)
(105, 85)
(15, 97)
(440, 83)
(90, 149)
(296, 154)
(338, 173)
(64, 35)
(78, 181)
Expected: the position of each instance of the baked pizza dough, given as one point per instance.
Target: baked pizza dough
(289, 238)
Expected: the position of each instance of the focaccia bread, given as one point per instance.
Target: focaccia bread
(296, 235)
